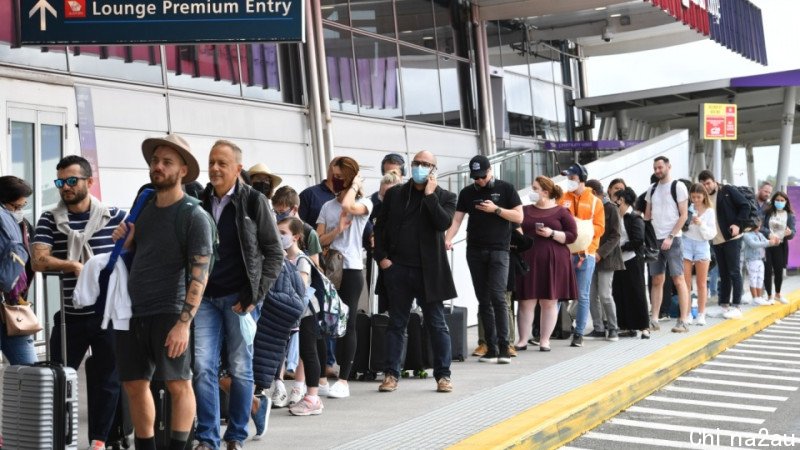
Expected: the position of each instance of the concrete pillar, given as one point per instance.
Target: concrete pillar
(698, 162)
(623, 124)
(787, 129)
(729, 154)
(751, 168)
(716, 166)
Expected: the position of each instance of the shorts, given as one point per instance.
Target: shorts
(755, 273)
(694, 250)
(145, 357)
(672, 258)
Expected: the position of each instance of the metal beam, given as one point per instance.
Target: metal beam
(784, 154)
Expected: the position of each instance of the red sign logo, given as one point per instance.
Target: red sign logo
(74, 9)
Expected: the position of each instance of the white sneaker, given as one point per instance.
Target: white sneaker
(746, 300)
(324, 390)
(782, 298)
(715, 311)
(279, 396)
(340, 389)
(297, 394)
(733, 313)
(701, 319)
(761, 301)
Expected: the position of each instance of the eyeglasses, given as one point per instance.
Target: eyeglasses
(14, 207)
(69, 181)
(423, 164)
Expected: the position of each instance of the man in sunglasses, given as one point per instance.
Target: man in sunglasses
(493, 206)
(77, 228)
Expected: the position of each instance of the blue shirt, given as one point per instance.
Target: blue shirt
(311, 201)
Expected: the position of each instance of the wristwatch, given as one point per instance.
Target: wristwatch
(671, 236)
(498, 211)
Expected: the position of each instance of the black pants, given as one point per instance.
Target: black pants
(730, 273)
(102, 379)
(312, 351)
(489, 272)
(777, 258)
(350, 292)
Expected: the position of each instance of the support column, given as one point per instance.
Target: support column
(751, 168)
(699, 158)
(484, 88)
(717, 161)
(729, 154)
(324, 90)
(787, 129)
(315, 116)
(623, 125)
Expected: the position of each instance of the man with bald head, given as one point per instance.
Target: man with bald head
(409, 247)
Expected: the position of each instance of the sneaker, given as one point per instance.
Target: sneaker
(233, 445)
(307, 407)
(689, 321)
(512, 352)
(577, 341)
(645, 334)
(389, 384)
(297, 394)
(654, 326)
(489, 357)
(97, 445)
(340, 389)
(613, 335)
(761, 301)
(733, 313)
(715, 311)
(596, 335)
(746, 300)
(480, 350)
(782, 298)
(279, 396)
(680, 327)
(261, 416)
(628, 334)
(444, 385)
(701, 319)
(324, 389)
(203, 446)
(534, 340)
(504, 357)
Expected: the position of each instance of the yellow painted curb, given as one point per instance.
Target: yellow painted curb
(562, 419)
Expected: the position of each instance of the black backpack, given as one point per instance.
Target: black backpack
(752, 215)
(673, 189)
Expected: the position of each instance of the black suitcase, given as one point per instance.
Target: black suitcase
(456, 319)
(563, 329)
(379, 324)
(361, 368)
(418, 353)
(163, 429)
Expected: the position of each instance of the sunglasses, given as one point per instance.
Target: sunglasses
(69, 181)
(480, 178)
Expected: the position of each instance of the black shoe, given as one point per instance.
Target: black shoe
(596, 335)
(489, 357)
(534, 340)
(628, 334)
(613, 335)
(505, 356)
(577, 341)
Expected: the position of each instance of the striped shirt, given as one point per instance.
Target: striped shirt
(100, 242)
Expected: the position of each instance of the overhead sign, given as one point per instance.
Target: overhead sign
(590, 145)
(113, 22)
(718, 121)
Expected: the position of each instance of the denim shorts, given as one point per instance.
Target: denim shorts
(694, 250)
(672, 258)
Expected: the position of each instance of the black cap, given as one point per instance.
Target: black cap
(576, 169)
(478, 166)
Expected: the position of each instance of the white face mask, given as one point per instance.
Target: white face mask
(572, 185)
(286, 241)
(18, 215)
(534, 196)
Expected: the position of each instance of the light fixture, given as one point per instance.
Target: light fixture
(601, 8)
(615, 15)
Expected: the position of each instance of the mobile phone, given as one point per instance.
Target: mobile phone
(539, 225)
(478, 201)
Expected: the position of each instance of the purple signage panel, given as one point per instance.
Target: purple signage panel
(794, 245)
(590, 145)
(83, 98)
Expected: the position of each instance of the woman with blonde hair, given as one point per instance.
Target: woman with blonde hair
(701, 228)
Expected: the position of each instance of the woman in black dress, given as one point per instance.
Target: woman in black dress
(551, 277)
(628, 285)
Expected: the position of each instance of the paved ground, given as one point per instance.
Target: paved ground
(485, 395)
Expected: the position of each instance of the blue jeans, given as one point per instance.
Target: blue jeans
(18, 350)
(403, 285)
(584, 278)
(216, 322)
(713, 281)
(489, 271)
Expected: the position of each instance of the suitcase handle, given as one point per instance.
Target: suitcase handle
(68, 425)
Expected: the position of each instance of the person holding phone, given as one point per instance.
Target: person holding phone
(493, 206)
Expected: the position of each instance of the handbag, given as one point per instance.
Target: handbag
(585, 234)
(20, 320)
(332, 263)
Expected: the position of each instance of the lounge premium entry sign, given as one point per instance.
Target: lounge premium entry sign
(125, 22)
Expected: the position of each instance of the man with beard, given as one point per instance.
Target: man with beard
(66, 237)
(762, 198)
(173, 234)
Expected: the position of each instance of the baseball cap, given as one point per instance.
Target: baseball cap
(478, 166)
(576, 169)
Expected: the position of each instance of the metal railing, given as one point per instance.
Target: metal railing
(518, 166)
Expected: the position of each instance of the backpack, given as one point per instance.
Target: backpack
(333, 314)
(13, 255)
(752, 215)
(673, 189)
(185, 210)
(650, 249)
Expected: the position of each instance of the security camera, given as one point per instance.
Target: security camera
(608, 34)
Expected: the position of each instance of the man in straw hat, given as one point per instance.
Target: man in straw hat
(263, 180)
(164, 298)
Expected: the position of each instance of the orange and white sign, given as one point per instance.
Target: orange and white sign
(718, 121)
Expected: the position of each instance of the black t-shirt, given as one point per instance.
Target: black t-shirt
(406, 251)
(488, 230)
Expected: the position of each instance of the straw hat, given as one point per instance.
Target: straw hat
(264, 170)
(181, 146)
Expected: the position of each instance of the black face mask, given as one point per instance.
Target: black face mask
(262, 186)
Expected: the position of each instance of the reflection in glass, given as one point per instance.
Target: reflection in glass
(261, 71)
(50, 58)
(373, 16)
(445, 36)
(335, 11)
(130, 62)
(420, 80)
(513, 50)
(205, 67)
(22, 151)
(341, 69)
(415, 22)
(493, 44)
(376, 73)
(52, 148)
(451, 98)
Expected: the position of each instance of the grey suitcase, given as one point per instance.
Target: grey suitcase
(40, 407)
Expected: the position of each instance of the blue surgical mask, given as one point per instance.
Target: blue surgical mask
(283, 215)
(420, 174)
(780, 205)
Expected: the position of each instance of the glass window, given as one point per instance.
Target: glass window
(375, 17)
(52, 148)
(513, 51)
(420, 81)
(451, 97)
(206, 68)
(335, 11)
(415, 22)
(22, 154)
(45, 57)
(261, 71)
(445, 35)
(376, 74)
(544, 100)
(135, 63)
(493, 44)
(341, 69)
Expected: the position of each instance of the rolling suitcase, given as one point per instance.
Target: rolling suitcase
(361, 369)
(379, 324)
(163, 428)
(418, 353)
(456, 319)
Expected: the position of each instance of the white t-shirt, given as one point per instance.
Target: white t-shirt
(706, 230)
(663, 208)
(349, 243)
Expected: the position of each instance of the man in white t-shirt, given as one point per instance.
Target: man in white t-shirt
(667, 211)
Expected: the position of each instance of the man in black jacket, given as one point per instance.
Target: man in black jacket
(409, 247)
(249, 260)
(732, 211)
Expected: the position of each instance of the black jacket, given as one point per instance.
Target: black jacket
(258, 235)
(609, 251)
(437, 211)
(634, 226)
(732, 209)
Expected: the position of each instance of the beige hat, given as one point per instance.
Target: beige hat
(181, 146)
(264, 170)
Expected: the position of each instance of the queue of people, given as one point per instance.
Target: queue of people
(210, 277)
